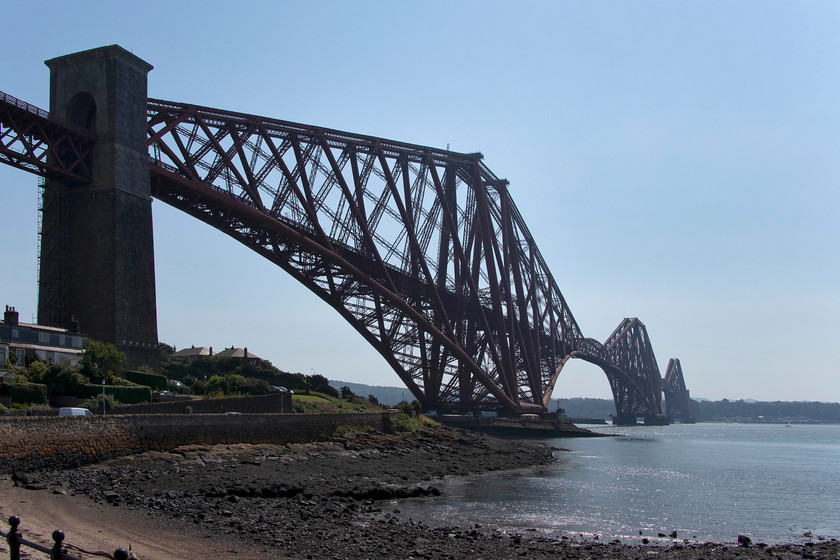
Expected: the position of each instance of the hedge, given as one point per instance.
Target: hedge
(121, 394)
(153, 380)
(26, 393)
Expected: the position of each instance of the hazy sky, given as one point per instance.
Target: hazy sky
(675, 161)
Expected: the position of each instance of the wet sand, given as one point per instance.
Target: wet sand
(335, 499)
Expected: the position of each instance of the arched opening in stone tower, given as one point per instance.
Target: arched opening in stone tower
(82, 111)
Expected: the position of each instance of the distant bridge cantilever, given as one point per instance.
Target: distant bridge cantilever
(421, 250)
(677, 397)
(628, 361)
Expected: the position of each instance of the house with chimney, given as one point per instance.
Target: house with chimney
(203, 352)
(241, 353)
(193, 353)
(21, 343)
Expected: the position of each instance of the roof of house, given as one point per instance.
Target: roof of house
(192, 352)
(237, 353)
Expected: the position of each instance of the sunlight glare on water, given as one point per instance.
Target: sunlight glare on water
(705, 481)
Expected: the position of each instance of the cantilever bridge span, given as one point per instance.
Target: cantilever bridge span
(421, 250)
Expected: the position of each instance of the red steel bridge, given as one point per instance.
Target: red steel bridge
(421, 250)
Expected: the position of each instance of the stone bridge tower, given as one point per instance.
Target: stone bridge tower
(97, 253)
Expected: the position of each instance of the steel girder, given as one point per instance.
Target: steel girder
(31, 141)
(422, 250)
(677, 397)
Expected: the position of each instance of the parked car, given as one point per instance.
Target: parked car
(73, 411)
(276, 389)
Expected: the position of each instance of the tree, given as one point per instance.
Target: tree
(405, 408)
(217, 384)
(327, 390)
(316, 380)
(346, 392)
(37, 370)
(99, 359)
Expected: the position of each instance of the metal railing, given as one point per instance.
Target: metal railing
(37, 111)
(12, 100)
(59, 550)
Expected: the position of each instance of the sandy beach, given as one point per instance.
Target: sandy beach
(334, 499)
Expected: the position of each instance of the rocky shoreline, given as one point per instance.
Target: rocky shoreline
(335, 499)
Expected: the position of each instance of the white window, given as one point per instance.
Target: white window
(44, 337)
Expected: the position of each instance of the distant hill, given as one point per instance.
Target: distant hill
(385, 395)
(582, 407)
(578, 408)
(747, 410)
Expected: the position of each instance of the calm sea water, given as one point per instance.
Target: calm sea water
(705, 481)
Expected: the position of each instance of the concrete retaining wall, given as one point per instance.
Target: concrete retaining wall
(36, 443)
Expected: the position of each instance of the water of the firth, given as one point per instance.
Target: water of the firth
(705, 481)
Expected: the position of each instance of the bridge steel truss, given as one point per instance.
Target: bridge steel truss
(628, 360)
(32, 141)
(630, 350)
(423, 251)
(677, 397)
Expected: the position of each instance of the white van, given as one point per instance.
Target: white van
(71, 411)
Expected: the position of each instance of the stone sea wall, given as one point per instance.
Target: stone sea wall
(36, 443)
(176, 404)
(272, 403)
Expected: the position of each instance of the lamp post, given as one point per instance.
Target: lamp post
(103, 395)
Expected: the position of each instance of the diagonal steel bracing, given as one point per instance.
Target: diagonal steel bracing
(31, 141)
(629, 349)
(423, 251)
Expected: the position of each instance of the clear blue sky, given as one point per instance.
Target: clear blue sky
(676, 162)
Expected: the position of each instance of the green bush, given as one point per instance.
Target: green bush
(36, 370)
(405, 408)
(60, 379)
(154, 380)
(94, 404)
(248, 385)
(234, 385)
(99, 359)
(191, 371)
(327, 390)
(124, 395)
(28, 393)
(349, 430)
(404, 423)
